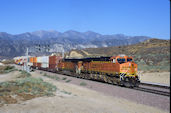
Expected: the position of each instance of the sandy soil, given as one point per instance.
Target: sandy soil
(75, 54)
(156, 77)
(70, 98)
(1, 64)
(9, 76)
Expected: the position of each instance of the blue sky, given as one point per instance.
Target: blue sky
(129, 17)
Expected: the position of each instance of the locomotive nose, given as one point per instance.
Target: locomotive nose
(133, 68)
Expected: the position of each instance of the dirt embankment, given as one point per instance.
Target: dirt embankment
(155, 77)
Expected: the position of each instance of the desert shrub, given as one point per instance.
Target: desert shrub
(69, 93)
(7, 69)
(64, 78)
(33, 86)
(24, 74)
(83, 84)
(68, 81)
(24, 89)
(8, 62)
(44, 74)
(52, 77)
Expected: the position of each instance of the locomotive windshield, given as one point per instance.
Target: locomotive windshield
(121, 60)
(129, 59)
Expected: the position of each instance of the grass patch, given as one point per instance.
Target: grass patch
(52, 77)
(6, 69)
(83, 84)
(64, 78)
(68, 81)
(24, 74)
(44, 74)
(8, 62)
(24, 89)
(69, 93)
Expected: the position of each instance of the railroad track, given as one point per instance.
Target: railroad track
(154, 91)
(154, 88)
(164, 86)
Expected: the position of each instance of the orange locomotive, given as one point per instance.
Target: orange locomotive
(121, 70)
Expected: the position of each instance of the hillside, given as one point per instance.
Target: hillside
(15, 45)
(150, 55)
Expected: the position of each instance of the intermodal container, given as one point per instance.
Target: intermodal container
(43, 59)
(39, 59)
(52, 66)
(54, 59)
(31, 59)
(39, 65)
(45, 65)
(34, 59)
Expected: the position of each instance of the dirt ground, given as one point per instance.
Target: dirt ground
(9, 76)
(156, 77)
(1, 64)
(71, 98)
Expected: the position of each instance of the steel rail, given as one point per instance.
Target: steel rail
(164, 93)
(164, 86)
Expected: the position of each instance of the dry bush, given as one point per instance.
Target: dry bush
(24, 89)
(8, 62)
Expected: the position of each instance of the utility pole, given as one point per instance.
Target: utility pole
(26, 67)
(62, 51)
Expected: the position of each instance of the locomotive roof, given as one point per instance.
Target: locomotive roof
(88, 59)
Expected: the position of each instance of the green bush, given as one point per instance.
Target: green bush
(69, 93)
(68, 81)
(83, 84)
(24, 74)
(64, 78)
(34, 86)
(7, 69)
(52, 77)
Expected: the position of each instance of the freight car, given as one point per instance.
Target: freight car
(121, 70)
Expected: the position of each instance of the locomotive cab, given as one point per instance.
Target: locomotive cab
(127, 70)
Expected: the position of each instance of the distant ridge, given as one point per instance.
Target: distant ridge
(15, 45)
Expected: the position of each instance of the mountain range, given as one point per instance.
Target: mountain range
(54, 41)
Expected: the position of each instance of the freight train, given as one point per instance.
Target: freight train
(120, 70)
